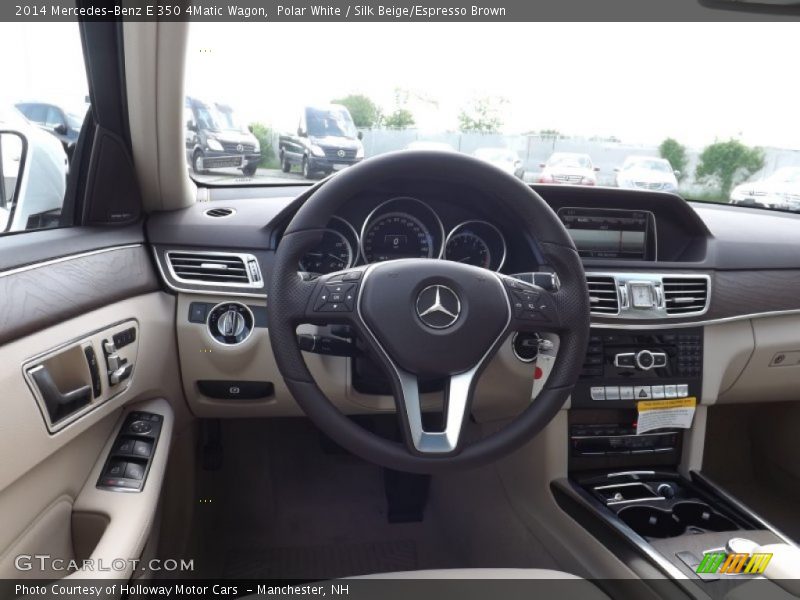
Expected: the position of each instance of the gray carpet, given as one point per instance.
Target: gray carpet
(283, 508)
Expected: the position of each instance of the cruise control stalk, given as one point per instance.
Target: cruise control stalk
(323, 344)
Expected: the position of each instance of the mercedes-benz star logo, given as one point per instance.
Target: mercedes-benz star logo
(239, 147)
(341, 153)
(438, 306)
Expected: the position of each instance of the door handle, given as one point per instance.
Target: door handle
(58, 403)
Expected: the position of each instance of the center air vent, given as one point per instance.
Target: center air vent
(215, 268)
(219, 212)
(685, 295)
(603, 296)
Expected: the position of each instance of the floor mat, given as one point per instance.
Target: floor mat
(322, 562)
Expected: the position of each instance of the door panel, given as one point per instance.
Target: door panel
(48, 480)
(43, 294)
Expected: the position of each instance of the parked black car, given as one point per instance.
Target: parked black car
(215, 139)
(326, 140)
(62, 123)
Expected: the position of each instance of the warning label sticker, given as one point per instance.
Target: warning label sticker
(658, 414)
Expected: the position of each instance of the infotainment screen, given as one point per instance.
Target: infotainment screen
(608, 233)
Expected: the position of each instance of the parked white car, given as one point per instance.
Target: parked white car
(34, 174)
(779, 190)
(647, 173)
(502, 158)
(568, 167)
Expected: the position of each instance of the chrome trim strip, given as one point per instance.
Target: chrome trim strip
(673, 325)
(244, 257)
(55, 261)
(202, 292)
(499, 234)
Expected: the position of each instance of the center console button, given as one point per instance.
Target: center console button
(598, 393)
(670, 391)
(626, 392)
(658, 391)
(625, 360)
(612, 392)
(683, 390)
(642, 392)
(644, 359)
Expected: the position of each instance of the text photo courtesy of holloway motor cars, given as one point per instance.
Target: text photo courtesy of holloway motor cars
(433, 299)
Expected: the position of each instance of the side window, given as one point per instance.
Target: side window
(54, 118)
(43, 86)
(37, 113)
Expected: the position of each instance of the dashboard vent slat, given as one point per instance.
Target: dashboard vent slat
(219, 212)
(684, 295)
(215, 268)
(603, 296)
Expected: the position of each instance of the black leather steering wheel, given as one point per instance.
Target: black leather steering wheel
(428, 318)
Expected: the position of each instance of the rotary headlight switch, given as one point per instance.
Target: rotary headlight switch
(230, 323)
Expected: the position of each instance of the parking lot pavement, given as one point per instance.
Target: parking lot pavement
(234, 176)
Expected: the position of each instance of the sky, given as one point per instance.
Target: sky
(639, 82)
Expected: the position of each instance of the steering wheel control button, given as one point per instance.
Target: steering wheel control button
(352, 276)
(438, 306)
(230, 323)
(336, 297)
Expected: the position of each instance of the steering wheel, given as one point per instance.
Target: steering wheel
(426, 318)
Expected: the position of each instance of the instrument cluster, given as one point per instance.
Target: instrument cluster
(405, 227)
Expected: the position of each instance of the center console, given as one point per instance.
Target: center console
(624, 485)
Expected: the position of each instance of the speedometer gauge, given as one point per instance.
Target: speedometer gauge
(396, 235)
(333, 253)
(467, 247)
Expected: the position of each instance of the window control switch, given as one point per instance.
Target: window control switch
(116, 468)
(125, 446)
(142, 449)
(134, 471)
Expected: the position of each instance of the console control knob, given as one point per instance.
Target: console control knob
(230, 323)
(644, 360)
(666, 490)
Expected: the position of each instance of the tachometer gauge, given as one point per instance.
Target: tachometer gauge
(467, 247)
(396, 235)
(333, 253)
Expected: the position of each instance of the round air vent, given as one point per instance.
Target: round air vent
(219, 212)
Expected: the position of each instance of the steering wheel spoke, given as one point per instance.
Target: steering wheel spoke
(458, 398)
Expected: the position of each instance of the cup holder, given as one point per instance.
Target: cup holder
(695, 517)
(649, 521)
(702, 516)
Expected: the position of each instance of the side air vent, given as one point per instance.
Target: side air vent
(685, 295)
(219, 212)
(603, 296)
(215, 268)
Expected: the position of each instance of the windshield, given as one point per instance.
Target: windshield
(790, 175)
(570, 160)
(650, 165)
(214, 118)
(530, 89)
(335, 122)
